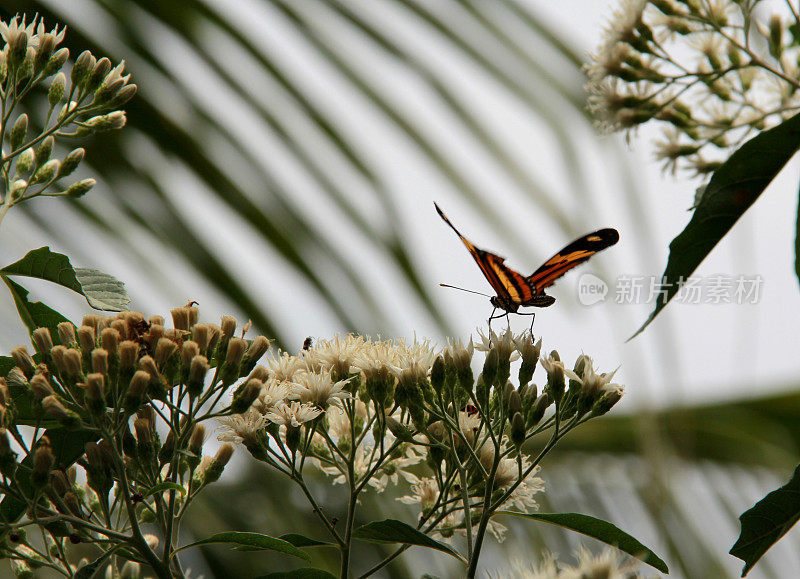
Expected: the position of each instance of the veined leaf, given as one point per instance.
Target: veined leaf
(256, 540)
(768, 520)
(394, 531)
(732, 190)
(101, 290)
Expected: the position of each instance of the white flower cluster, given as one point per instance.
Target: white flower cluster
(713, 73)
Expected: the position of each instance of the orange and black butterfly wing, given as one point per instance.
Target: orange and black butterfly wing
(571, 256)
(511, 287)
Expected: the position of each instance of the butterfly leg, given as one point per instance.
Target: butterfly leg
(491, 317)
(533, 317)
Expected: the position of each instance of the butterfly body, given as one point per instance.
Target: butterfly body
(515, 290)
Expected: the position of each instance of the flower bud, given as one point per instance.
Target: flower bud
(108, 122)
(54, 408)
(101, 68)
(57, 89)
(56, 61)
(23, 360)
(43, 460)
(86, 339)
(26, 161)
(517, 429)
(80, 188)
(514, 403)
(74, 363)
(245, 395)
(530, 356)
(47, 44)
(258, 347)
(83, 67)
(18, 132)
(95, 393)
(197, 374)
(134, 395)
(196, 446)
(437, 374)
(228, 326)
(217, 464)
(400, 431)
(66, 333)
(606, 402)
(98, 470)
(46, 173)
(490, 367)
(232, 367)
(555, 377)
(44, 150)
(128, 354)
(201, 334)
(165, 348)
(71, 162)
(536, 412)
(123, 95)
(40, 387)
(43, 340)
(145, 447)
(17, 49)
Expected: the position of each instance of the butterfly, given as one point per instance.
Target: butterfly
(515, 290)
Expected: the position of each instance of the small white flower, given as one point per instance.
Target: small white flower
(292, 413)
(242, 428)
(319, 389)
(284, 367)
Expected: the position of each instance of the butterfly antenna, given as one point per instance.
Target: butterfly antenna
(464, 289)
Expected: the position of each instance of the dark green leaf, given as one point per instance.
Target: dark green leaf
(263, 542)
(731, 191)
(33, 314)
(600, 530)
(88, 571)
(6, 364)
(304, 573)
(303, 541)
(394, 531)
(102, 291)
(768, 521)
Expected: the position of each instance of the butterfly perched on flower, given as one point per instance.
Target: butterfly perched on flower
(515, 290)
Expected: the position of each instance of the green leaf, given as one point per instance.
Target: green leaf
(164, 486)
(88, 571)
(304, 573)
(600, 530)
(394, 531)
(67, 447)
(6, 364)
(33, 314)
(303, 541)
(263, 542)
(732, 190)
(102, 291)
(768, 520)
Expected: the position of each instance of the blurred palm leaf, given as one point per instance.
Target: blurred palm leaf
(230, 116)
